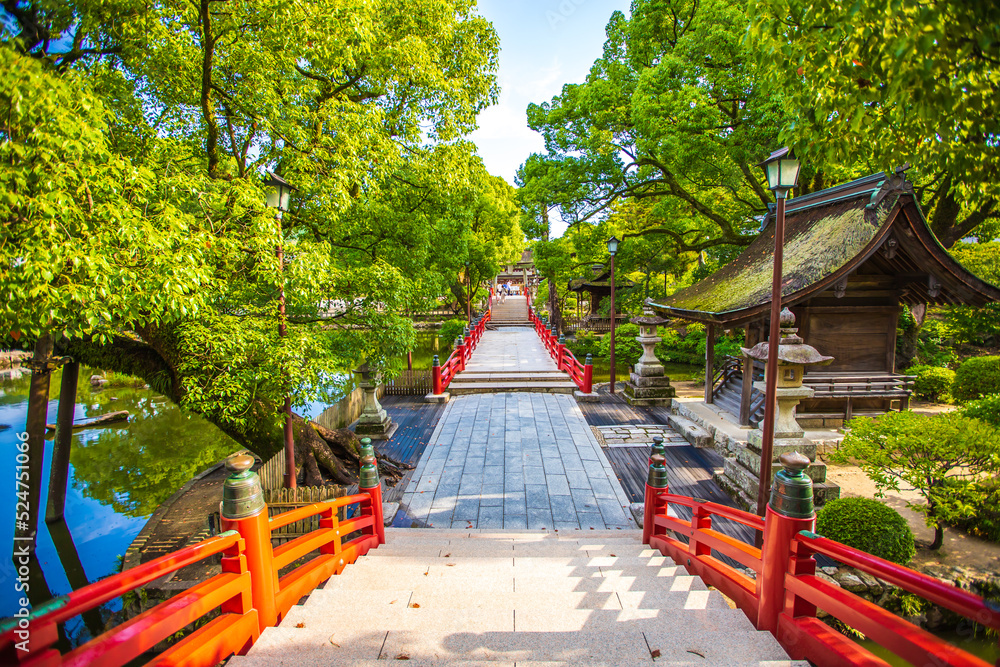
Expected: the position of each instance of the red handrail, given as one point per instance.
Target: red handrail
(443, 374)
(248, 591)
(581, 374)
(786, 593)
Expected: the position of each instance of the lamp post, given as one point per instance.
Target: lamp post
(782, 169)
(612, 249)
(278, 195)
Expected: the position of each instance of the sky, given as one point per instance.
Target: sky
(543, 45)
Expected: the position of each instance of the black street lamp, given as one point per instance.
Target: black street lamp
(782, 169)
(612, 249)
(278, 195)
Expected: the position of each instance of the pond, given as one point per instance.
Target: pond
(118, 475)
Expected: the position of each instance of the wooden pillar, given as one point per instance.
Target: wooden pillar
(25, 529)
(59, 470)
(749, 340)
(709, 361)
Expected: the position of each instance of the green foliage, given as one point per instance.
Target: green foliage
(936, 344)
(940, 456)
(986, 409)
(977, 377)
(689, 347)
(932, 383)
(670, 121)
(584, 343)
(451, 330)
(131, 170)
(978, 326)
(868, 525)
(880, 84)
(627, 348)
(985, 522)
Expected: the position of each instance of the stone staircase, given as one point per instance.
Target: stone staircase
(448, 597)
(513, 312)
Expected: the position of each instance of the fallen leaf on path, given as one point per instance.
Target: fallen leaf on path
(655, 653)
(300, 625)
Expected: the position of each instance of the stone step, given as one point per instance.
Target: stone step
(457, 388)
(693, 433)
(506, 376)
(478, 638)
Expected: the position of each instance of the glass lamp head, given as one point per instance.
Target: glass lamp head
(613, 245)
(279, 191)
(782, 170)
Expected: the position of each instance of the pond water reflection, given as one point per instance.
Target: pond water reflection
(118, 475)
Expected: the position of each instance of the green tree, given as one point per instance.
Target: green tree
(134, 142)
(943, 457)
(674, 114)
(884, 83)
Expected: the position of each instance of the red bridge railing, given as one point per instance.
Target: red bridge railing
(581, 373)
(443, 374)
(248, 593)
(784, 596)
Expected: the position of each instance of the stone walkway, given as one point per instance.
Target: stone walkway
(515, 461)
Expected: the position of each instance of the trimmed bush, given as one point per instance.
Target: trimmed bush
(985, 410)
(932, 383)
(868, 525)
(977, 377)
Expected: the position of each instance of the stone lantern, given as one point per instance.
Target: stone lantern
(374, 422)
(793, 358)
(647, 383)
(740, 473)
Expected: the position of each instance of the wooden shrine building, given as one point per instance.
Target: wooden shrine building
(598, 288)
(853, 254)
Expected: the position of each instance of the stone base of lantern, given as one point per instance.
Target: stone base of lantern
(649, 390)
(377, 430)
(740, 474)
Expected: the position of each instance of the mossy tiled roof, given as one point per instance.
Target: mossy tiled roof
(818, 242)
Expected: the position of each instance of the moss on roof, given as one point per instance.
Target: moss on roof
(818, 242)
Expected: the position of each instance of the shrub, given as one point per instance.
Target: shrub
(941, 456)
(932, 383)
(627, 348)
(690, 347)
(985, 523)
(584, 343)
(451, 330)
(868, 525)
(977, 377)
(985, 409)
(935, 344)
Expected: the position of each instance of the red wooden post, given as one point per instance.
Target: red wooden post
(436, 374)
(460, 349)
(244, 510)
(700, 520)
(656, 486)
(790, 510)
(560, 352)
(588, 375)
(368, 482)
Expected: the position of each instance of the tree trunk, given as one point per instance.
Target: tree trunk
(938, 537)
(555, 314)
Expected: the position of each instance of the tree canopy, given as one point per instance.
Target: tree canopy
(885, 83)
(133, 145)
(674, 114)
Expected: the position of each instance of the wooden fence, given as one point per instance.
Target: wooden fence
(410, 383)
